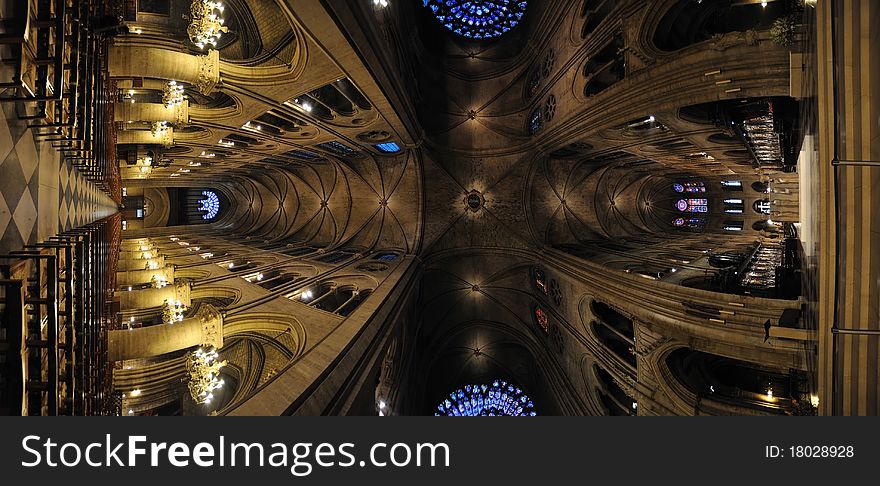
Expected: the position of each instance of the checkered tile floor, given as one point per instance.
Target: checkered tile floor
(39, 195)
(80, 201)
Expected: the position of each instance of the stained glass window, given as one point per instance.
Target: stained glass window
(541, 280)
(733, 226)
(500, 399)
(337, 148)
(388, 147)
(335, 257)
(693, 205)
(386, 257)
(302, 154)
(542, 319)
(211, 205)
(695, 223)
(478, 19)
(536, 121)
(689, 187)
(534, 83)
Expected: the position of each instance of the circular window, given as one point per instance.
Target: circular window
(500, 399)
(478, 19)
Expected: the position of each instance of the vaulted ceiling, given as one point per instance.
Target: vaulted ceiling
(477, 187)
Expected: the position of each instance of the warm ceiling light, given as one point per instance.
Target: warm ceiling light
(172, 94)
(206, 26)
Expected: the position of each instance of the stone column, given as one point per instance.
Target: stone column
(139, 277)
(153, 297)
(137, 245)
(152, 112)
(127, 264)
(148, 386)
(206, 328)
(203, 72)
(146, 137)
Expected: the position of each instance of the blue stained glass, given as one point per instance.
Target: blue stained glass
(337, 148)
(692, 205)
(388, 147)
(499, 399)
(695, 223)
(302, 154)
(536, 121)
(689, 187)
(386, 257)
(211, 205)
(477, 19)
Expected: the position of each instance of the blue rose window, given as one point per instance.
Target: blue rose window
(500, 399)
(478, 19)
(210, 205)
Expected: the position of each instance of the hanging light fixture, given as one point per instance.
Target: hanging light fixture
(172, 94)
(158, 129)
(172, 312)
(203, 367)
(206, 24)
(158, 281)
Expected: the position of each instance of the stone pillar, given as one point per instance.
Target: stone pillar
(139, 245)
(152, 297)
(125, 265)
(151, 112)
(203, 72)
(206, 328)
(146, 137)
(138, 277)
(148, 386)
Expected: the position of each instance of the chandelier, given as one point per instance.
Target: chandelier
(158, 281)
(206, 25)
(159, 128)
(172, 313)
(172, 94)
(203, 367)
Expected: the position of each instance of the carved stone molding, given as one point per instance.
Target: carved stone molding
(372, 267)
(374, 136)
(722, 42)
(212, 325)
(182, 290)
(181, 114)
(209, 72)
(167, 137)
